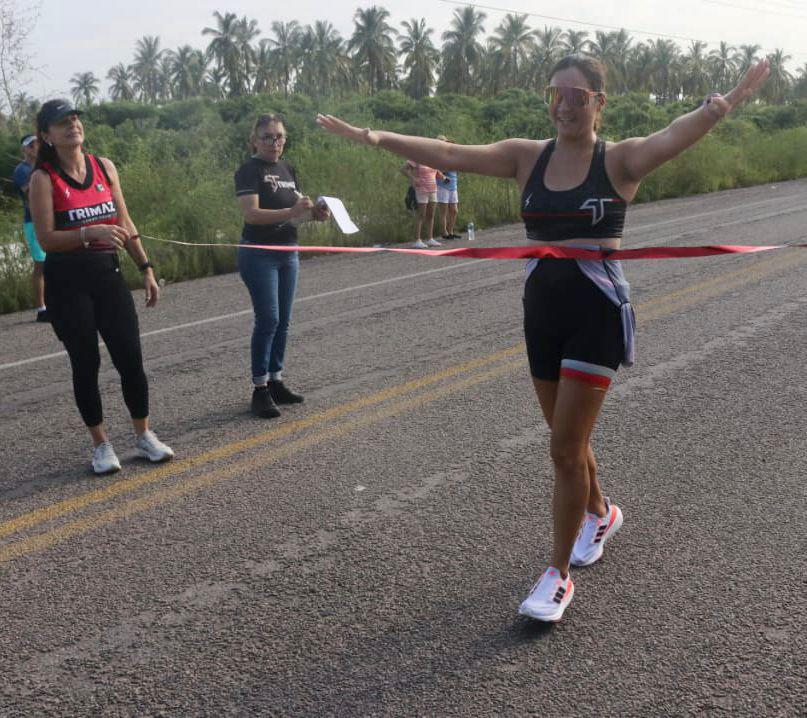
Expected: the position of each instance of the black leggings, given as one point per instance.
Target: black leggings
(85, 294)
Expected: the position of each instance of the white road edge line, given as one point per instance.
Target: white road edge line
(232, 315)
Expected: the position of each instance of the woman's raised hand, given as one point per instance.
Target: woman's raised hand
(753, 79)
(343, 129)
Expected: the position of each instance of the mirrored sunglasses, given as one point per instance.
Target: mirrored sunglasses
(572, 96)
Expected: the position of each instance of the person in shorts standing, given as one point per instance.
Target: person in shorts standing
(448, 200)
(425, 180)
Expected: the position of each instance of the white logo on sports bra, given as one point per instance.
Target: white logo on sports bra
(597, 207)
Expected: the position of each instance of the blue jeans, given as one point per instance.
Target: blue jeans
(271, 278)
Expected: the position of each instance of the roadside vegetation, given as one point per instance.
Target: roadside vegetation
(177, 122)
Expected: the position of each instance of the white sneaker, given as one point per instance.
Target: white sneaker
(433, 243)
(549, 597)
(420, 244)
(104, 460)
(594, 532)
(150, 447)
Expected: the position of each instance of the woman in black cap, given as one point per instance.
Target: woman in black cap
(82, 222)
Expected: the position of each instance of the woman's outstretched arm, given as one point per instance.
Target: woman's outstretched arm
(499, 159)
(639, 156)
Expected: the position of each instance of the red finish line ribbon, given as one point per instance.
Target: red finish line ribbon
(520, 252)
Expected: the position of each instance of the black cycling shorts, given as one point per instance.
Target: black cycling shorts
(572, 329)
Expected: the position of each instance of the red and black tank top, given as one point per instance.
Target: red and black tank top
(593, 210)
(82, 204)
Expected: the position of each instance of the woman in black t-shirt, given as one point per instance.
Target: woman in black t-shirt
(269, 198)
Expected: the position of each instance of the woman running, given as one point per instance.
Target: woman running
(577, 318)
(82, 222)
(270, 200)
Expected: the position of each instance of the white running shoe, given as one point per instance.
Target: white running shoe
(150, 447)
(420, 244)
(594, 532)
(433, 243)
(549, 597)
(104, 460)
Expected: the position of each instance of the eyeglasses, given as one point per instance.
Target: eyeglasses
(272, 139)
(572, 96)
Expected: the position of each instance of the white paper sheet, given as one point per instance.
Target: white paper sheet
(339, 213)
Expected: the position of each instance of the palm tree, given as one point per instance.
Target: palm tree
(24, 108)
(246, 31)
(285, 50)
(373, 47)
(511, 46)
(215, 83)
(639, 69)
(85, 88)
(264, 78)
(746, 57)
(723, 69)
(612, 49)
(800, 86)
(621, 49)
(462, 52)
(776, 88)
(165, 87)
(325, 67)
(226, 48)
(420, 58)
(122, 79)
(548, 49)
(695, 70)
(665, 77)
(146, 67)
(575, 42)
(187, 71)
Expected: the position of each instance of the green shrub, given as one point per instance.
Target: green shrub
(177, 161)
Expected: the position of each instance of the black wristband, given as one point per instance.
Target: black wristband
(146, 265)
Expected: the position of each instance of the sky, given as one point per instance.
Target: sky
(72, 36)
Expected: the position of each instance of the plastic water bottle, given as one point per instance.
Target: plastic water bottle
(470, 230)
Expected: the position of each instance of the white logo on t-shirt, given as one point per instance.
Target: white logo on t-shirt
(276, 183)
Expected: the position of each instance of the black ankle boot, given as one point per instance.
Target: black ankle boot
(262, 404)
(282, 394)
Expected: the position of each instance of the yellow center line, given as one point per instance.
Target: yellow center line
(53, 511)
(663, 305)
(15, 550)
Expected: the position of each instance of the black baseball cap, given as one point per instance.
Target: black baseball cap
(53, 111)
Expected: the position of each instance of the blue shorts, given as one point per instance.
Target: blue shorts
(37, 253)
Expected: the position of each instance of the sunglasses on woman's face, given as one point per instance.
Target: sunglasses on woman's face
(572, 96)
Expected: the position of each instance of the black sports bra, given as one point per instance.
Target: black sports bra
(593, 210)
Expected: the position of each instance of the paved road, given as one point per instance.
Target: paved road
(365, 554)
